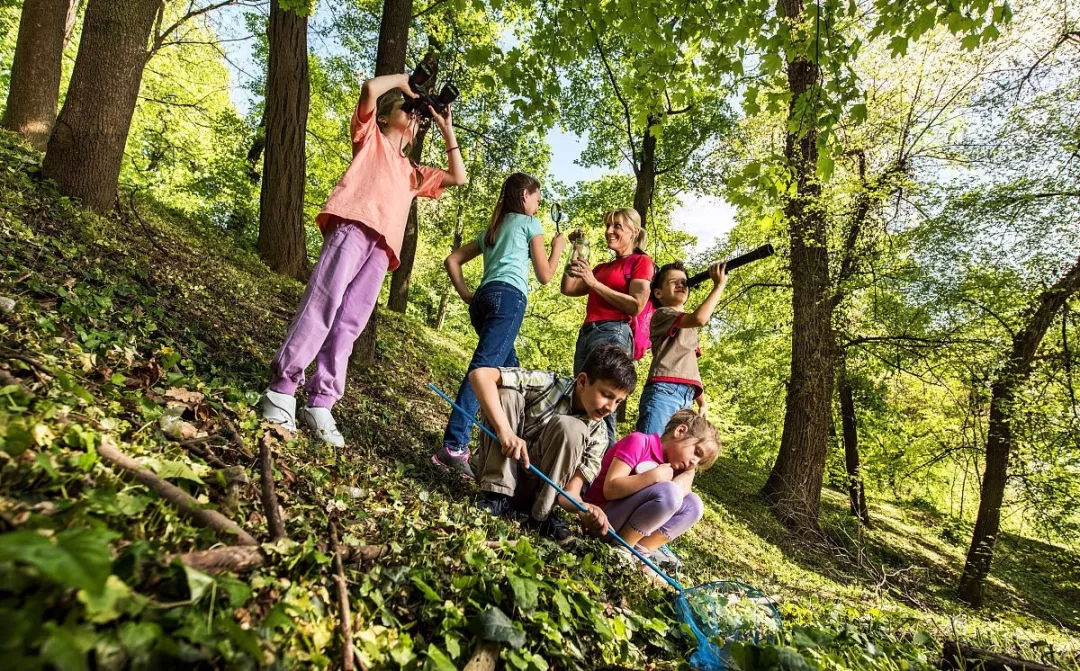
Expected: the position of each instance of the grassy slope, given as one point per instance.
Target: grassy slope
(112, 314)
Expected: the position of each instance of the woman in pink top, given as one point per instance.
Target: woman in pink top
(363, 224)
(644, 481)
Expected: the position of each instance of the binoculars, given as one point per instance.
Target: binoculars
(419, 81)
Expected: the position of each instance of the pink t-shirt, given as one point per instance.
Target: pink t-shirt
(631, 450)
(613, 274)
(378, 187)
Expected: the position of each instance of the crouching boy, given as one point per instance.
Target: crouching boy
(555, 423)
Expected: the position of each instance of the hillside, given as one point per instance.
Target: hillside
(151, 335)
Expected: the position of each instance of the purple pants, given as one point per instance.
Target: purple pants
(335, 308)
(661, 507)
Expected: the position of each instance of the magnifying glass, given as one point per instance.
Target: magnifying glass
(556, 216)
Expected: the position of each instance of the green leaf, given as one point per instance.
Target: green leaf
(66, 648)
(17, 440)
(177, 469)
(825, 167)
(858, 113)
(197, 582)
(429, 594)
(76, 558)
(494, 625)
(437, 661)
(526, 591)
(898, 45)
(108, 605)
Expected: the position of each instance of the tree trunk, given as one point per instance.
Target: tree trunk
(69, 21)
(1008, 382)
(35, 71)
(856, 493)
(255, 152)
(401, 278)
(793, 489)
(87, 144)
(444, 302)
(282, 241)
(389, 59)
(646, 176)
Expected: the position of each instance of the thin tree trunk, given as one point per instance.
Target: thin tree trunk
(444, 302)
(389, 59)
(282, 242)
(999, 437)
(69, 21)
(401, 278)
(87, 144)
(645, 176)
(35, 71)
(255, 152)
(793, 489)
(856, 492)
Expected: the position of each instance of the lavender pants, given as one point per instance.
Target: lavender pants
(340, 295)
(661, 507)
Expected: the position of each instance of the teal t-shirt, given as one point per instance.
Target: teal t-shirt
(508, 259)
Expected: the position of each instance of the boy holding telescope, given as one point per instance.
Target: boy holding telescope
(674, 381)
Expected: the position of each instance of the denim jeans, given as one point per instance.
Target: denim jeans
(496, 311)
(661, 400)
(594, 334)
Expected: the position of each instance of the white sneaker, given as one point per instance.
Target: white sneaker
(322, 423)
(278, 408)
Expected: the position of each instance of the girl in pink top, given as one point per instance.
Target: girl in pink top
(645, 479)
(363, 224)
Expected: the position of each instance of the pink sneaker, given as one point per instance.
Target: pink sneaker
(454, 460)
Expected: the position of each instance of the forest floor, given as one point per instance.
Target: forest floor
(152, 335)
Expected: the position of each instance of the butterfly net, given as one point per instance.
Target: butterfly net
(722, 612)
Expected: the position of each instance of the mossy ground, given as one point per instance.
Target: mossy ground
(112, 313)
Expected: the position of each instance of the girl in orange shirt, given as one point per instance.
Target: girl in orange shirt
(363, 224)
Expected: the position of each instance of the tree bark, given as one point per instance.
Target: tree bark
(401, 278)
(645, 176)
(856, 493)
(87, 144)
(69, 21)
(389, 59)
(999, 439)
(35, 71)
(282, 243)
(444, 302)
(793, 489)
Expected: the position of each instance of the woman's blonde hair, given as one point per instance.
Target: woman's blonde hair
(700, 428)
(631, 216)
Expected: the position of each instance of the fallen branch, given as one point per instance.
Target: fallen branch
(187, 505)
(343, 602)
(485, 656)
(241, 558)
(269, 497)
(958, 655)
(355, 554)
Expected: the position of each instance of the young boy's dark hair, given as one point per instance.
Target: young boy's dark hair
(612, 363)
(658, 278)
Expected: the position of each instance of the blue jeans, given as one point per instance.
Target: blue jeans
(496, 311)
(594, 334)
(661, 400)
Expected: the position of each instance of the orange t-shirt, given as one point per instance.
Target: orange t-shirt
(378, 187)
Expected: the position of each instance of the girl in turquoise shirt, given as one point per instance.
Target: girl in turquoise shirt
(498, 305)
